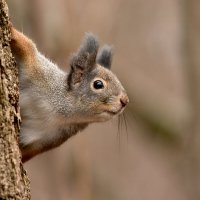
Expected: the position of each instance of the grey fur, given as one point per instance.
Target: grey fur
(104, 58)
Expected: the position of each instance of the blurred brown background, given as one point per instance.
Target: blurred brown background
(157, 58)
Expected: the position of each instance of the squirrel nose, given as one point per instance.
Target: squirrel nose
(124, 100)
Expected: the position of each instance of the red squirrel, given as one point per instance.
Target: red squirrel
(55, 105)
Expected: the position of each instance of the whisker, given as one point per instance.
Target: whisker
(121, 122)
(119, 133)
(124, 117)
(126, 126)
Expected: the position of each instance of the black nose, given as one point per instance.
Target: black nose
(124, 100)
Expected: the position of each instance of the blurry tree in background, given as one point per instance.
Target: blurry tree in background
(191, 59)
(157, 47)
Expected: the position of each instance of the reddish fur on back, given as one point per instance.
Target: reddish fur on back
(22, 46)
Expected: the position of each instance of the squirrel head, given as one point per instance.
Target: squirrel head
(97, 93)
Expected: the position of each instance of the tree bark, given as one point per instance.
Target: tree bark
(14, 183)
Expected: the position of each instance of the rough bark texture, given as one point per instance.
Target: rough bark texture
(14, 183)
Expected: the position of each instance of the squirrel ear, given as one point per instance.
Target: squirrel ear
(104, 58)
(84, 60)
(86, 56)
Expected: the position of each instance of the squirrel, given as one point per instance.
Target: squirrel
(54, 104)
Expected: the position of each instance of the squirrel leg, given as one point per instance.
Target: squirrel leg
(22, 47)
(25, 52)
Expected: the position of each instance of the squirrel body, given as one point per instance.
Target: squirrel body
(55, 105)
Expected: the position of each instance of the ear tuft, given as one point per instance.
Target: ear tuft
(105, 56)
(90, 44)
(86, 55)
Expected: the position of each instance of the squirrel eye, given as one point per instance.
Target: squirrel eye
(98, 84)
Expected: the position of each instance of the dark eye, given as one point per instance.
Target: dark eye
(98, 84)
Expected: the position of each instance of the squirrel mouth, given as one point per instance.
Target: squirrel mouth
(111, 112)
(114, 112)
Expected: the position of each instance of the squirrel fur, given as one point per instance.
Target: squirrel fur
(54, 104)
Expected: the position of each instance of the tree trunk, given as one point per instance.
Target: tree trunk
(14, 183)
